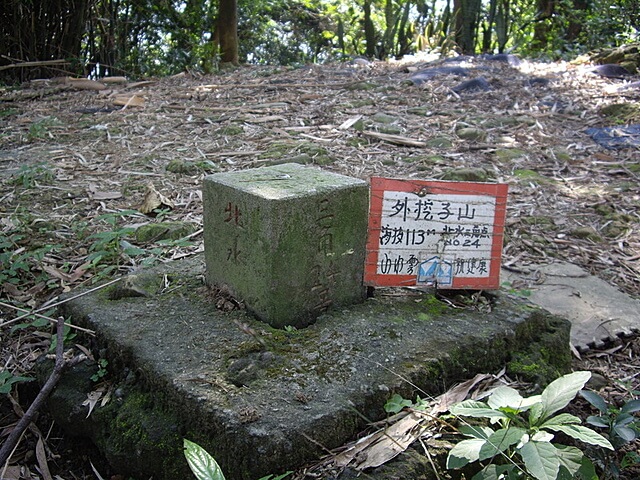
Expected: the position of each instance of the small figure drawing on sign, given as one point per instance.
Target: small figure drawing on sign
(435, 271)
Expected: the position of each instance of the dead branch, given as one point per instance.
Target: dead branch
(37, 63)
(14, 437)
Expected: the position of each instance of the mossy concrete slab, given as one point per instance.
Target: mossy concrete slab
(287, 240)
(264, 400)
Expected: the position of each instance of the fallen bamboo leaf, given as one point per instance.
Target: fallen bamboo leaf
(12, 472)
(133, 100)
(395, 139)
(68, 278)
(458, 393)
(41, 456)
(95, 194)
(92, 399)
(153, 200)
(267, 119)
(394, 440)
(349, 122)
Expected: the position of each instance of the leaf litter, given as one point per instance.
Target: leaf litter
(75, 152)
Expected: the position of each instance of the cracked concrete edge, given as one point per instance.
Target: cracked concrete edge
(597, 311)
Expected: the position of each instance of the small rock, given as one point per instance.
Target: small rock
(472, 133)
(586, 233)
(472, 85)
(536, 82)
(597, 382)
(384, 118)
(611, 70)
(152, 232)
(502, 57)
(466, 175)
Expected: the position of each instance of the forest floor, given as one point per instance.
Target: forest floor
(82, 168)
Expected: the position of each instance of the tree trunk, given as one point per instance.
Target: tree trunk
(228, 31)
(545, 10)
(466, 14)
(488, 28)
(369, 30)
(576, 19)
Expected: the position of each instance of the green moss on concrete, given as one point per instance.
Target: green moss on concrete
(349, 361)
(543, 349)
(147, 433)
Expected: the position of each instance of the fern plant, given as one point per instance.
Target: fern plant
(518, 441)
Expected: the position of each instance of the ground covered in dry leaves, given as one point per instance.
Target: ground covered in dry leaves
(85, 167)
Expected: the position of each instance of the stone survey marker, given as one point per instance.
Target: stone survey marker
(435, 233)
(287, 240)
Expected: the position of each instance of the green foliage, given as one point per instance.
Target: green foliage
(67, 336)
(622, 426)
(396, 403)
(41, 129)
(108, 247)
(36, 322)
(204, 466)
(29, 176)
(156, 38)
(7, 380)
(520, 432)
(102, 370)
(19, 264)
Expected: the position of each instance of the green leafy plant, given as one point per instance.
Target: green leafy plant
(29, 175)
(518, 441)
(7, 380)
(40, 129)
(108, 246)
(396, 403)
(622, 426)
(68, 335)
(102, 370)
(19, 264)
(204, 466)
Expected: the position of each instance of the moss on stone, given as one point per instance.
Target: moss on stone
(466, 175)
(508, 154)
(230, 130)
(439, 142)
(622, 112)
(531, 176)
(182, 167)
(586, 233)
(153, 232)
(543, 354)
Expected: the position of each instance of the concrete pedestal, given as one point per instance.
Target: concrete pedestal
(289, 240)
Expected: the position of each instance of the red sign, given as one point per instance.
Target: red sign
(435, 233)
